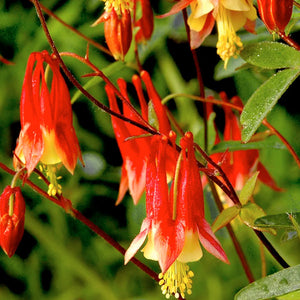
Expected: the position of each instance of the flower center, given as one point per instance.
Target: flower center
(50, 171)
(177, 280)
(118, 5)
(229, 44)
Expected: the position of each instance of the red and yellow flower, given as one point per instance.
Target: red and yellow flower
(229, 15)
(239, 165)
(175, 221)
(47, 133)
(118, 25)
(135, 143)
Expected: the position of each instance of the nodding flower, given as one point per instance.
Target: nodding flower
(47, 133)
(175, 223)
(230, 16)
(238, 165)
(135, 143)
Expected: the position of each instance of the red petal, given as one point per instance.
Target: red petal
(265, 177)
(177, 8)
(210, 242)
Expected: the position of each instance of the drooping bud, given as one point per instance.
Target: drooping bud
(276, 14)
(12, 217)
(117, 28)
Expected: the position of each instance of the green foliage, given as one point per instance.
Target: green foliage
(277, 284)
(59, 258)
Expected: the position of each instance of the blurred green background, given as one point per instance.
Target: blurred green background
(59, 258)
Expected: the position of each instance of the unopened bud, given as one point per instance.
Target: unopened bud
(12, 216)
(276, 14)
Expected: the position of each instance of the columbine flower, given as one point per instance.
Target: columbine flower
(239, 165)
(275, 14)
(134, 143)
(47, 133)
(145, 23)
(230, 16)
(175, 222)
(117, 26)
(12, 215)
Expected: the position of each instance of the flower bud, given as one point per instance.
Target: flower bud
(276, 14)
(117, 31)
(12, 216)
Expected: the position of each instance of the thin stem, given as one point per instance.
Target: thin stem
(199, 78)
(240, 109)
(289, 41)
(77, 84)
(89, 40)
(60, 201)
(271, 249)
(233, 237)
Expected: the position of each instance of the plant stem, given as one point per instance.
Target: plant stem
(233, 237)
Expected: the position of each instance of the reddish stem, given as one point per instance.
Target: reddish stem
(89, 40)
(60, 201)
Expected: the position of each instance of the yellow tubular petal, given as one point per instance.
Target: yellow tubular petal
(50, 155)
(191, 250)
(201, 7)
(196, 24)
(238, 5)
(149, 250)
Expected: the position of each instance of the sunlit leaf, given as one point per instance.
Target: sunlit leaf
(248, 188)
(277, 284)
(249, 213)
(264, 99)
(237, 145)
(225, 217)
(271, 55)
(278, 221)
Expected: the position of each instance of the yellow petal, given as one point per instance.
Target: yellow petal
(191, 250)
(201, 7)
(238, 5)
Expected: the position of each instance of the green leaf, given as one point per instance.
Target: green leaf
(248, 188)
(249, 213)
(277, 284)
(271, 55)
(263, 100)
(237, 145)
(225, 217)
(278, 221)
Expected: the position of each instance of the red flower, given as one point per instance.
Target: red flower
(239, 165)
(47, 133)
(12, 215)
(145, 23)
(275, 14)
(135, 151)
(118, 25)
(117, 31)
(175, 222)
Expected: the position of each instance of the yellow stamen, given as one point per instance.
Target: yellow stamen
(53, 188)
(177, 280)
(118, 5)
(229, 44)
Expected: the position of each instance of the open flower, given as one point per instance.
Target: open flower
(229, 15)
(12, 216)
(47, 133)
(175, 222)
(239, 165)
(135, 143)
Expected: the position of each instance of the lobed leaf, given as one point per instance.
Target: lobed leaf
(278, 221)
(225, 217)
